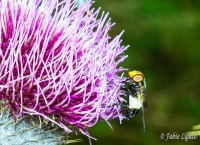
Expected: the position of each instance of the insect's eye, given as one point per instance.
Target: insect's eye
(138, 78)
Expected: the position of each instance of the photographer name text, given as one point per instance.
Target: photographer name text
(175, 135)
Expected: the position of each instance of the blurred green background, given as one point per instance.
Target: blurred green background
(164, 39)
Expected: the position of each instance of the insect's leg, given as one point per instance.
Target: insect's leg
(125, 89)
(122, 88)
(130, 93)
(122, 105)
(127, 79)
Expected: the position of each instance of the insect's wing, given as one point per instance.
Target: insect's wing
(144, 104)
(144, 97)
(144, 107)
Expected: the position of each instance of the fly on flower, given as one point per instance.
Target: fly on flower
(136, 95)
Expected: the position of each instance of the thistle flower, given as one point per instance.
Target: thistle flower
(58, 62)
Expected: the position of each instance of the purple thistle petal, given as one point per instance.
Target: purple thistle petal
(59, 62)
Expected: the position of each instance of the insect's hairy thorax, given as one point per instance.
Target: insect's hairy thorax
(137, 89)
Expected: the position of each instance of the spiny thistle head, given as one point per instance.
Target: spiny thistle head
(57, 61)
(29, 130)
